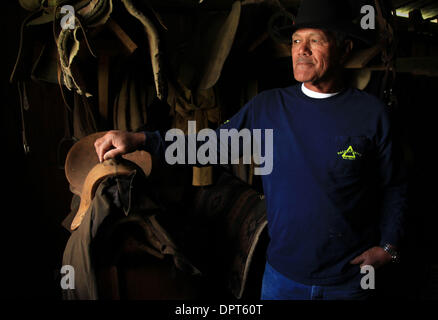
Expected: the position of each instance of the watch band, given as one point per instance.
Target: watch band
(394, 254)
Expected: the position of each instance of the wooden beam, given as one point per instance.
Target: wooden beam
(427, 66)
(360, 58)
(122, 35)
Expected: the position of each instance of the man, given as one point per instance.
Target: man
(335, 198)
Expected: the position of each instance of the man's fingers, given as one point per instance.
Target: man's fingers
(112, 154)
(357, 260)
(97, 144)
(114, 143)
(103, 147)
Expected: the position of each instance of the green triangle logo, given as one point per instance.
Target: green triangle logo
(349, 154)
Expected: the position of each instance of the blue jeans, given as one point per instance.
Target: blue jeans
(276, 286)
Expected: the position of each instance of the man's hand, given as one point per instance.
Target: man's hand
(374, 256)
(115, 143)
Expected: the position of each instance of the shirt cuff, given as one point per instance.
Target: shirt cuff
(153, 142)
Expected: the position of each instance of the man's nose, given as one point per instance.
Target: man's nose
(304, 49)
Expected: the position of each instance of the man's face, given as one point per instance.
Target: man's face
(313, 53)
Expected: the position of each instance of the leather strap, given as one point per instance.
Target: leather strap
(103, 83)
(389, 48)
(154, 47)
(24, 106)
(20, 46)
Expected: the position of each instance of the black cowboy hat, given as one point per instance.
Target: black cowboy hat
(342, 16)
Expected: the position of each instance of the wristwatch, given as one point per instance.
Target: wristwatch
(394, 254)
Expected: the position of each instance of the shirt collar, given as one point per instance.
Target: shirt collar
(316, 95)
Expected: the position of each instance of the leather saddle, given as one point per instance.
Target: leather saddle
(84, 172)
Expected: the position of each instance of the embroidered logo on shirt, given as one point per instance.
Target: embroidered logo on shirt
(349, 154)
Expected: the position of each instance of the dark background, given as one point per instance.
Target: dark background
(35, 194)
(36, 197)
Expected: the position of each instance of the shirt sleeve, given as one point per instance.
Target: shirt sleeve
(393, 183)
(156, 143)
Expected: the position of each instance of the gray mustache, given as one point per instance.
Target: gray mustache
(304, 60)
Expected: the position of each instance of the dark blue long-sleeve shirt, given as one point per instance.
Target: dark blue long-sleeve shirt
(335, 189)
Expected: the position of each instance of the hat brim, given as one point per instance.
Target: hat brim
(350, 29)
(365, 37)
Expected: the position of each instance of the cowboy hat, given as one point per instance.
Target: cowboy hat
(332, 15)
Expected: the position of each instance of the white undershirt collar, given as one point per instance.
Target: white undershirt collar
(316, 95)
